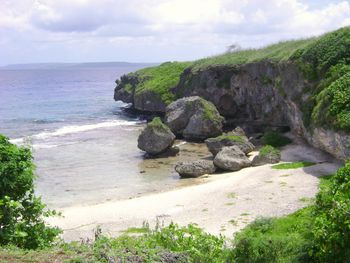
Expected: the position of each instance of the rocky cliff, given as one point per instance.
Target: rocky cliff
(294, 92)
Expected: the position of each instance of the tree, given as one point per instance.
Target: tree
(21, 212)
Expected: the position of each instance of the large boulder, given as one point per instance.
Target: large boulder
(235, 138)
(156, 138)
(231, 159)
(267, 154)
(194, 118)
(195, 168)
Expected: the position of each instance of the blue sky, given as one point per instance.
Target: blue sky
(155, 30)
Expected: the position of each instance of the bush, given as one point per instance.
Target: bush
(21, 212)
(332, 222)
(166, 244)
(285, 239)
(275, 139)
(269, 150)
(333, 104)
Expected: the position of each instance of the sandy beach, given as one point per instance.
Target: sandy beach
(220, 203)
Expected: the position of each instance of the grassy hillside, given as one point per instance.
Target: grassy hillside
(277, 52)
(324, 61)
(160, 79)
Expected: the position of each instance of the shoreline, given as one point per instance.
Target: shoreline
(223, 203)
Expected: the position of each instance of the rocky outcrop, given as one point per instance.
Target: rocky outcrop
(237, 137)
(231, 159)
(193, 118)
(155, 138)
(267, 154)
(195, 168)
(255, 95)
(336, 143)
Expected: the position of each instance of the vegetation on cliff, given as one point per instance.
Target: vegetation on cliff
(275, 139)
(324, 62)
(160, 79)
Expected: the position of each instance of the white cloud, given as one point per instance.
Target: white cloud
(160, 25)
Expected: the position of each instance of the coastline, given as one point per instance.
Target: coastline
(220, 203)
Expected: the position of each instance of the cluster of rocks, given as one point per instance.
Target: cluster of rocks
(229, 154)
(192, 118)
(196, 119)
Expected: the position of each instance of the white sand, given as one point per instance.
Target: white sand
(240, 196)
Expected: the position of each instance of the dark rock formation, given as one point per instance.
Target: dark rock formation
(236, 137)
(156, 138)
(194, 118)
(257, 94)
(231, 159)
(195, 168)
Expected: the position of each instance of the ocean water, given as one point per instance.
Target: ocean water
(84, 145)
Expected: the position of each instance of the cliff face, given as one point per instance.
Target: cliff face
(304, 85)
(262, 93)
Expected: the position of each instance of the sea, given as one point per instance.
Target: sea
(84, 144)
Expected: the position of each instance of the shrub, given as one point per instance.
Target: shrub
(166, 244)
(333, 104)
(269, 150)
(332, 222)
(275, 139)
(285, 239)
(21, 212)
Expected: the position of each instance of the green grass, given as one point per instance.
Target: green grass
(160, 79)
(278, 52)
(319, 59)
(295, 165)
(317, 233)
(269, 150)
(284, 239)
(210, 112)
(157, 124)
(275, 139)
(234, 138)
(187, 244)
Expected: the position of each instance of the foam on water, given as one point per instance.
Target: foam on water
(71, 129)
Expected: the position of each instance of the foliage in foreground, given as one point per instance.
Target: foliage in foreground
(168, 244)
(285, 239)
(21, 212)
(332, 219)
(318, 233)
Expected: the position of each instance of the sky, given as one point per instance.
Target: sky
(38, 31)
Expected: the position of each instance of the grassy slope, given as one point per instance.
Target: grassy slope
(323, 60)
(161, 79)
(277, 52)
